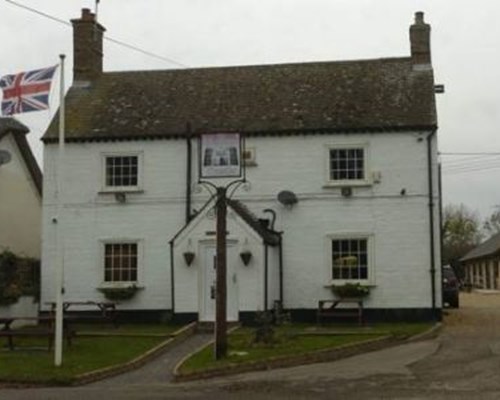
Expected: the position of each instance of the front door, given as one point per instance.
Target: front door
(209, 277)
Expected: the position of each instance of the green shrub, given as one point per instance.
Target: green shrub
(18, 276)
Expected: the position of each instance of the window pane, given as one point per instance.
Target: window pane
(349, 259)
(346, 164)
(122, 171)
(120, 262)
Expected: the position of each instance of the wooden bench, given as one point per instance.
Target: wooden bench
(44, 328)
(331, 309)
(106, 309)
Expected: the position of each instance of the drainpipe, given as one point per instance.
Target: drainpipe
(281, 268)
(440, 191)
(431, 220)
(188, 173)
(172, 293)
(265, 275)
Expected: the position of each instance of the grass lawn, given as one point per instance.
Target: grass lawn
(31, 362)
(294, 339)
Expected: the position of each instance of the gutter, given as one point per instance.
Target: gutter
(431, 219)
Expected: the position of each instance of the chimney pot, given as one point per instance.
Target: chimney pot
(419, 17)
(87, 15)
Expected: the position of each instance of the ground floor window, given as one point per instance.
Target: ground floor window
(350, 259)
(120, 262)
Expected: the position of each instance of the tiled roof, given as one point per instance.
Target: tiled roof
(11, 125)
(364, 95)
(19, 131)
(486, 249)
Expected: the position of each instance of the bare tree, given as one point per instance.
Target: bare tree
(461, 233)
(492, 224)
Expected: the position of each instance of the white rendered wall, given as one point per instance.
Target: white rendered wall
(397, 223)
(20, 205)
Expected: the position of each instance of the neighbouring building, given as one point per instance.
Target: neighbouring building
(341, 169)
(481, 264)
(20, 192)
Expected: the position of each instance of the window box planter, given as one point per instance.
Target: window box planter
(350, 290)
(119, 292)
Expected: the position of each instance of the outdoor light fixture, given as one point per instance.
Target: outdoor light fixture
(189, 253)
(188, 257)
(246, 256)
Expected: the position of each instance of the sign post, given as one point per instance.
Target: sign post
(221, 277)
(220, 157)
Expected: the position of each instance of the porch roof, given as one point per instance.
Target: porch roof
(269, 236)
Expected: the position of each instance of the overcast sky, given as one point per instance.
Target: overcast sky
(465, 53)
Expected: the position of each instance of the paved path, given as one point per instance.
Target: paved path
(159, 370)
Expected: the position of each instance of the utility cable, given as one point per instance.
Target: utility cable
(109, 39)
(483, 153)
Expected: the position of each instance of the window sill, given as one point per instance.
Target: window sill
(120, 190)
(339, 283)
(119, 285)
(340, 184)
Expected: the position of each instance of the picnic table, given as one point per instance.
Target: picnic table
(330, 308)
(106, 310)
(44, 328)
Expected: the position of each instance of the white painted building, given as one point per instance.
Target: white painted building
(20, 192)
(354, 141)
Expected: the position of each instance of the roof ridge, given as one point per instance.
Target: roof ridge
(277, 64)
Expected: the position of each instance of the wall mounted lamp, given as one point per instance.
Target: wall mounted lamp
(188, 257)
(246, 256)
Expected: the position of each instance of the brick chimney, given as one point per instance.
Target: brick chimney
(87, 47)
(420, 40)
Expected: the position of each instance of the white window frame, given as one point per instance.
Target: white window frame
(366, 181)
(129, 188)
(102, 262)
(370, 246)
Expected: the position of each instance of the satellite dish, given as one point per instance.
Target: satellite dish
(5, 157)
(287, 198)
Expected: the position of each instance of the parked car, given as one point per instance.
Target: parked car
(451, 287)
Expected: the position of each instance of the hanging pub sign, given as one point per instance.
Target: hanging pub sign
(220, 155)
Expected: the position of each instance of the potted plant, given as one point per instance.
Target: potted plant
(351, 290)
(119, 293)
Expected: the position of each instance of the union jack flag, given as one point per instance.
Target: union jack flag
(26, 91)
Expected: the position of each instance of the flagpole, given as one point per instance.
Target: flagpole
(59, 234)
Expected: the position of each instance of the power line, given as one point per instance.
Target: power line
(484, 153)
(109, 39)
(148, 53)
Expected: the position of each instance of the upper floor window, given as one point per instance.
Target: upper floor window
(122, 172)
(347, 164)
(350, 259)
